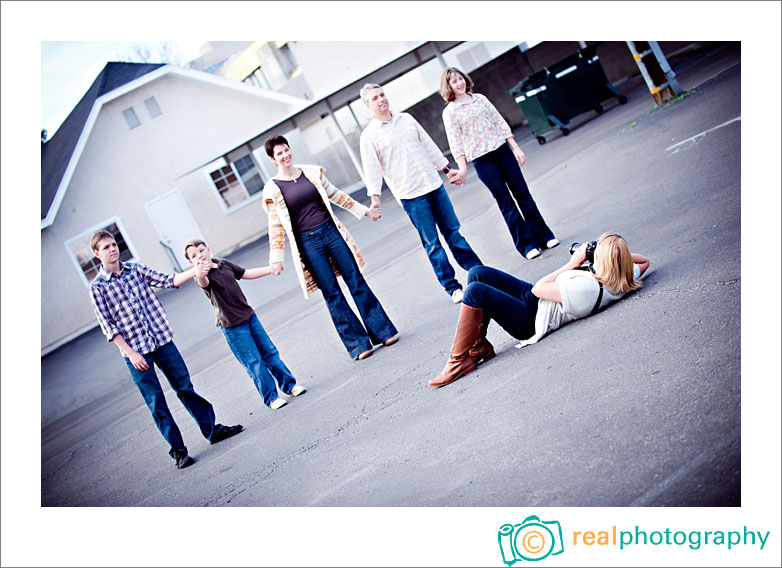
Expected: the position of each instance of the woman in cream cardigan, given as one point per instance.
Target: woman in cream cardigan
(298, 202)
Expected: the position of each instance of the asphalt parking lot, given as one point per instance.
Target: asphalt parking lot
(637, 406)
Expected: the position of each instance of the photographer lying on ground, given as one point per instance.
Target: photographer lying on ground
(528, 312)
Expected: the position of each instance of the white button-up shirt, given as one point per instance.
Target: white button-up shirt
(401, 151)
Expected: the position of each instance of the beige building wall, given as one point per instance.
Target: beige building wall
(121, 170)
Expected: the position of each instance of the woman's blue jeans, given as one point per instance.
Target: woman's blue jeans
(427, 213)
(254, 349)
(500, 172)
(169, 360)
(503, 298)
(323, 245)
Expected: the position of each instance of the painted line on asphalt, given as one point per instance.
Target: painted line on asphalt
(701, 134)
(687, 469)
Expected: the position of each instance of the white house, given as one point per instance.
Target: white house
(116, 163)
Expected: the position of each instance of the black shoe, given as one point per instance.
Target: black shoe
(226, 432)
(184, 461)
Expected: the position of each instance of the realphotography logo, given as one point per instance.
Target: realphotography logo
(534, 539)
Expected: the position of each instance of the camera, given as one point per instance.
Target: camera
(532, 539)
(590, 250)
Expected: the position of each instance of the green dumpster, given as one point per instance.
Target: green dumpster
(573, 85)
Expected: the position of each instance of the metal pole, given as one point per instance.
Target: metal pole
(353, 157)
(666, 68)
(439, 54)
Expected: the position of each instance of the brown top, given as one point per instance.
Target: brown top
(226, 294)
(304, 204)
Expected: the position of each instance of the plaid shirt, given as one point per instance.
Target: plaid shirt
(125, 305)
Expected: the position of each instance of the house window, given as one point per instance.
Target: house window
(249, 174)
(237, 181)
(286, 60)
(131, 118)
(153, 107)
(83, 255)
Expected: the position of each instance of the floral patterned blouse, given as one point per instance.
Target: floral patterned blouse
(474, 128)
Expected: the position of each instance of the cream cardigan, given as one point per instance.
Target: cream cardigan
(280, 222)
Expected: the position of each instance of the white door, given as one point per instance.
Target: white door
(174, 223)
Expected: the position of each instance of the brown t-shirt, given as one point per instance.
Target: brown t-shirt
(304, 204)
(226, 294)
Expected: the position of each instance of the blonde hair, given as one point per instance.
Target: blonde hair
(445, 89)
(614, 263)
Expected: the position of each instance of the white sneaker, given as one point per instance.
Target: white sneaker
(552, 243)
(457, 295)
(534, 253)
(279, 402)
(297, 390)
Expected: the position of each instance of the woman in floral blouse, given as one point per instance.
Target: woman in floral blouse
(298, 202)
(478, 133)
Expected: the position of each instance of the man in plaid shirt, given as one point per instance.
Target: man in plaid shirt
(132, 317)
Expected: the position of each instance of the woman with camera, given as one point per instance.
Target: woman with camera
(477, 133)
(528, 312)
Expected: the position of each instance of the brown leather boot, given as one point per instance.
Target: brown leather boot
(483, 350)
(460, 362)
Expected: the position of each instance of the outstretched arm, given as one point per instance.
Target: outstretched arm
(253, 273)
(182, 277)
(342, 199)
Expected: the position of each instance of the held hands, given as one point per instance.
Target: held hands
(374, 212)
(276, 268)
(202, 268)
(455, 177)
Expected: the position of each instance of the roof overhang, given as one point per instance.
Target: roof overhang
(408, 61)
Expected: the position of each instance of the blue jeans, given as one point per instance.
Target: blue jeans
(323, 245)
(168, 359)
(253, 348)
(503, 298)
(500, 172)
(433, 210)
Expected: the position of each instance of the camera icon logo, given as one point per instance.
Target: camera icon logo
(531, 540)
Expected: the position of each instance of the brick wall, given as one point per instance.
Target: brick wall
(500, 75)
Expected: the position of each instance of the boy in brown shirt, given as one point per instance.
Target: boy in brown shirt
(241, 327)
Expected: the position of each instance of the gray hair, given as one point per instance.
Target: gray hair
(366, 88)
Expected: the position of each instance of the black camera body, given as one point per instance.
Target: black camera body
(590, 250)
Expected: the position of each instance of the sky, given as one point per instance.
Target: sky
(68, 68)
(50, 58)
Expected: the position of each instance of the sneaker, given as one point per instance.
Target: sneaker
(534, 253)
(226, 432)
(457, 295)
(278, 402)
(297, 390)
(183, 461)
(552, 243)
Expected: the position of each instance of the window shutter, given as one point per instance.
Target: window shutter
(153, 107)
(131, 118)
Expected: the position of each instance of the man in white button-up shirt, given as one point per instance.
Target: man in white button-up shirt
(395, 147)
